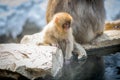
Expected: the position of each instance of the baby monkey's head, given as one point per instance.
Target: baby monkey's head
(63, 20)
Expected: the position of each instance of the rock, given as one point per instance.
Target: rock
(31, 61)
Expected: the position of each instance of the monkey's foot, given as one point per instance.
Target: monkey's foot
(83, 58)
(80, 55)
(79, 58)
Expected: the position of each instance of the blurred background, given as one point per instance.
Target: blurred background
(22, 17)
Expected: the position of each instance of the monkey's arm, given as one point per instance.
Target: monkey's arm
(80, 51)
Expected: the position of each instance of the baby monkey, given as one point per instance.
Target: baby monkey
(58, 32)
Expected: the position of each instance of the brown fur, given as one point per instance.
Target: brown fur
(112, 25)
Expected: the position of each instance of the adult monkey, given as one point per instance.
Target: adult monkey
(89, 18)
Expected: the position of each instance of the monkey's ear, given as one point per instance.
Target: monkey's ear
(56, 20)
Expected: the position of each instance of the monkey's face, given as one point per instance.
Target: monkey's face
(63, 25)
(66, 25)
(63, 21)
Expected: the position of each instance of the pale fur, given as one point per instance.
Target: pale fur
(62, 40)
(59, 37)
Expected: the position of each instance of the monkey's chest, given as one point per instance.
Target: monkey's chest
(65, 45)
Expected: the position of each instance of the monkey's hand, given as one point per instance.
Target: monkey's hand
(80, 52)
(78, 56)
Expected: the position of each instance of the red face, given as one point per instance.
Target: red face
(66, 25)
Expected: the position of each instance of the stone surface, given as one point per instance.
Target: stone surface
(31, 61)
